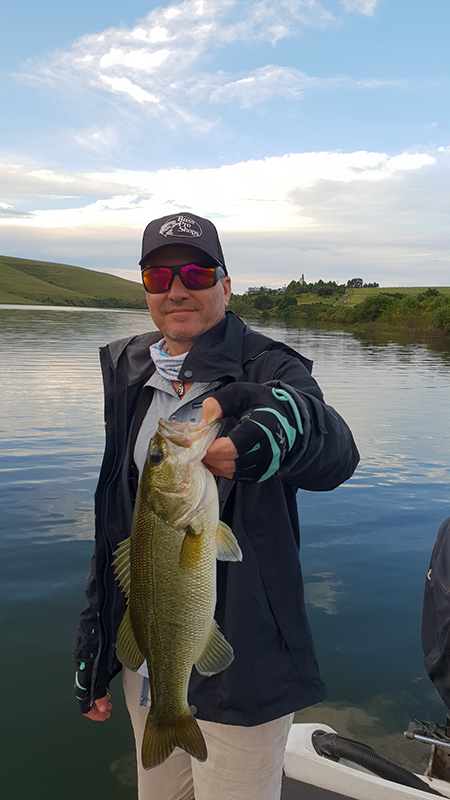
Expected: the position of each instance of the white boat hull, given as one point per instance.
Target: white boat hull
(302, 763)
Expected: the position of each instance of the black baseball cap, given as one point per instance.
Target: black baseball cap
(184, 228)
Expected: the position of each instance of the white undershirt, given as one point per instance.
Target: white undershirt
(167, 405)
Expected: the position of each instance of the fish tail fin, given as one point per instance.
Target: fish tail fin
(160, 740)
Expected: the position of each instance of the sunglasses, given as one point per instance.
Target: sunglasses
(193, 276)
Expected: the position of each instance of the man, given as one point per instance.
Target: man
(436, 615)
(277, 435)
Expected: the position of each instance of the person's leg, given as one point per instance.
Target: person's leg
(243, 763)
(172, 780)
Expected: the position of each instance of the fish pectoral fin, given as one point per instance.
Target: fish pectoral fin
(227, 548)
(191, 549)
(127, 648)
(217, 654)
(121, 565)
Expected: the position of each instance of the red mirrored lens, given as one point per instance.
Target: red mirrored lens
(159, 279)
(195, 277)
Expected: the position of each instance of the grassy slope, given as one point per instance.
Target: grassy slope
(358, 295)
(46, 283)
(354, 296)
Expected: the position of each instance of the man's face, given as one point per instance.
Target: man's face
(181, 314)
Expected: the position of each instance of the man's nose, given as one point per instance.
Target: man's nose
(178, 289)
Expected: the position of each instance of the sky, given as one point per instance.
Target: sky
(315, 135)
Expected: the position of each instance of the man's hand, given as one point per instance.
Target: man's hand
(101, 707)
(268, 425)
(221, 455)
(100, 710)
(221, 458)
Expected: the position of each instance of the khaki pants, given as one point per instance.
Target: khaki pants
(242, 764)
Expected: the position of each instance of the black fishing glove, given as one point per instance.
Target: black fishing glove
(269, 423)
(83, 677)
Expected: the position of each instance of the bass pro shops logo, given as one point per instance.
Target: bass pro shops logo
(181, 226)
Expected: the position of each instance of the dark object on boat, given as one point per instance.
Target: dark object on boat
(429, 732)
(333, 746)
(439, 738)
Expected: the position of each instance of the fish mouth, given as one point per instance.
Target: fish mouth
(185, 434)
(169, 427)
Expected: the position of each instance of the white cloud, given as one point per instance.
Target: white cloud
(375, 83)
(22, 181)
(95, 138)
(272, 81)
(134, 59)
(326, 214)
(9, 212)
(263, 84)
(131, 89)
(164, 64)
(252, 195)
(272, 16)
(366, 7)
(186, 29)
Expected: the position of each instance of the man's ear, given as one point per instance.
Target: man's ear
(226, 283)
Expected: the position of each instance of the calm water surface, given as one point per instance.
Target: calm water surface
(365, 546)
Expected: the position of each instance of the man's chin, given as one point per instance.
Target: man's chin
(181, 333)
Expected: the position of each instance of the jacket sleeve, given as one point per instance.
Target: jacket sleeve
(86, 646)
(436, 615)
(325, 454)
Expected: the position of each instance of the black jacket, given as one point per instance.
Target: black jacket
(260, 606)
(436, 615)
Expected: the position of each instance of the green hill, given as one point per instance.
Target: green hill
(355, 296)
(45, 283)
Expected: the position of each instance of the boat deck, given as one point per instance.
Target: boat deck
(295, 790)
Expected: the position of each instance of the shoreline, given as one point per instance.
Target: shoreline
(293, 320)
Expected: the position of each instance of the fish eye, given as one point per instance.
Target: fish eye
(156, 457)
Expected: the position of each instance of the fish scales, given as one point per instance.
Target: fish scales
(168, 573)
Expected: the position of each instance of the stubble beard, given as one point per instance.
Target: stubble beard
(188, 339)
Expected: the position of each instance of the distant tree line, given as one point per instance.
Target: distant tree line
(326, 302)
(429, 310)
(278, 301)
(358, 283)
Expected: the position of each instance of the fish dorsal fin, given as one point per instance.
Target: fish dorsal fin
(121, 565)
(217, 654)
(227, 548)
(191, 549)
(127, 648)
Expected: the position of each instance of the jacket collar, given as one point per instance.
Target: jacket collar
(218, 353)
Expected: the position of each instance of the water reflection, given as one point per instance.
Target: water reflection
(365, 546)
(323, 591)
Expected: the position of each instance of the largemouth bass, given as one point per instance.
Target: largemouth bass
(167, 570)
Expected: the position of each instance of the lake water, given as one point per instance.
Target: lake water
(365, 546)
